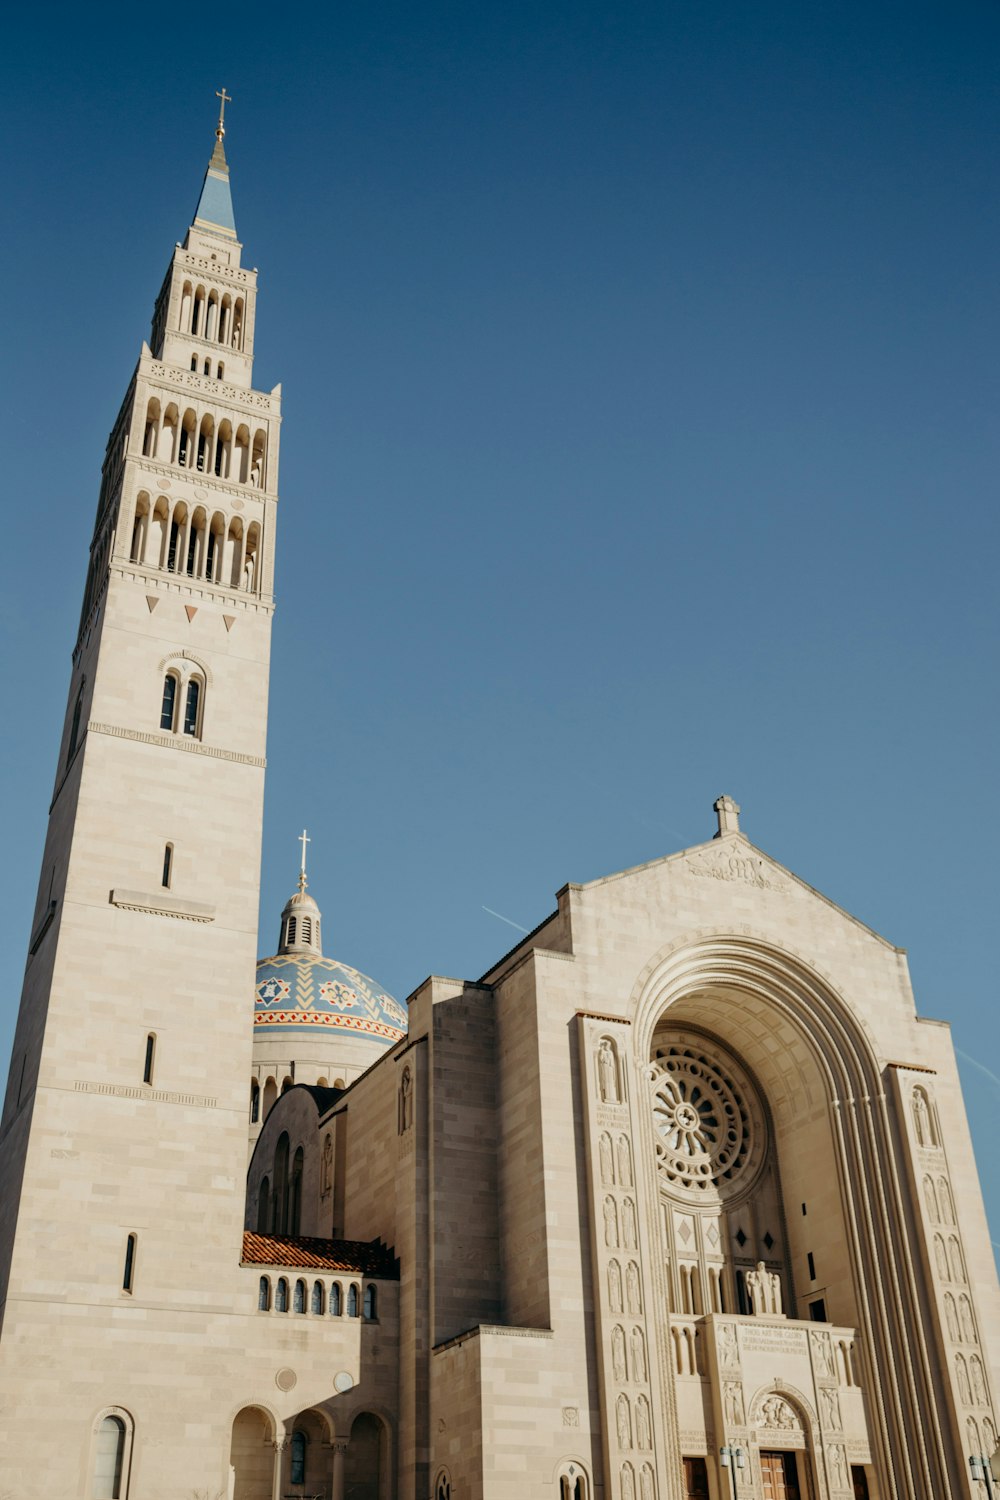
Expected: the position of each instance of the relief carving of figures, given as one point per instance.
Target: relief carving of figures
(615, 1286)
(610, 1223)
(968, 1321)
(624, 1416)
(955, 1259)
(728, 1349)
(775, 1412)
(628, 1224)
(734, 1405)
(628, 1482)
(607, 1072)
(624, 1161)
(964, 1388)
(838, 1463)
(951, 1316)
(607, 1161)
(824, 1355)
(764, 1287)
(633, 1289)
(638, 1355)
(326, 1169)
(940, 1257)
(618, 1355)
(922, 1123)
(831, 1408)
(648, 1482)
(643, 1430)
(979, 1396)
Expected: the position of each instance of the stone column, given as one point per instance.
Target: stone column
(337, 1471)
(279, 1450)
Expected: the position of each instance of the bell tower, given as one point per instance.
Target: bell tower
(125, 1115)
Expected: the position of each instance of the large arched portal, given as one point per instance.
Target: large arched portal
(251, 1454)
(767, 1137)
(366, 1460)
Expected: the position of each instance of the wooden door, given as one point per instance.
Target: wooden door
(695, 1479)
(780, 1476)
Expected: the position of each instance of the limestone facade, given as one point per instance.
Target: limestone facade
(678, 1200)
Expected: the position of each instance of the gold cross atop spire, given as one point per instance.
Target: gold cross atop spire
(224, 99)
(304, 840)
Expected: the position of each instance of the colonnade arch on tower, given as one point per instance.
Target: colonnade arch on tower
(833, 1142)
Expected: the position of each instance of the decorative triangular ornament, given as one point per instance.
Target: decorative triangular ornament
(230, 621)
(152, 601)
(190, 610)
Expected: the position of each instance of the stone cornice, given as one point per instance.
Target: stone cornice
(214, 390)
(185, 744)
(160, 904)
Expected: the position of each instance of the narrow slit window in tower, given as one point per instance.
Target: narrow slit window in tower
(128, 1275)
(191, 706)
(147, 1067)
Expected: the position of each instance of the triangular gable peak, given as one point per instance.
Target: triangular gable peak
(733, 859)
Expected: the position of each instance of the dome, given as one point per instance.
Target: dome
(298, 992)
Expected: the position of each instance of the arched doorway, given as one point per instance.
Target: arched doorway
(251, 1454)
(366, 1459)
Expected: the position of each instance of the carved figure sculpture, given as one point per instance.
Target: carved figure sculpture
(951, 1316)
(610, 1223)
(922, 1119)
(624, 1422)
(326, 1168)
(824, 1355)
(618, 1355)
(628, 1482)
(978, 1381)
(831, 1407)
(607, 1161)
(643, 1434)
(764, 1287)
(728, 1348)
(628, 1224)
(633, 1289)
(615, 1286)
(624, 1161)
(405, 1101)
(734, 1405)
(968, 1321)
(648, 1482)
(638, 1355)
(964, 1388)
(838, 1463)
(607, 1072)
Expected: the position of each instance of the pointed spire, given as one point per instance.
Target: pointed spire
(214, 214)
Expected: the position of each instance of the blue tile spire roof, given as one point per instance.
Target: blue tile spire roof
(214, 213)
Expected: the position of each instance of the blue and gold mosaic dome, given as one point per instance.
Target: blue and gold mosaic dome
(300, 991)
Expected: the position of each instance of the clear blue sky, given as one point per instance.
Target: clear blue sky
(640, 443)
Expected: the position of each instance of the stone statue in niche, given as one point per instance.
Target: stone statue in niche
(764, 1287)
(624, 1161)
(618, 1355)
(628, 1224)
(728, 1349)
(405, 1102)
(648, 1483)
(610, 1223)
(922, 1119)
(628, 1483)
(941, 1257)
(951, 1317)
(615, 1286)
(326, 1169)
(944, 1198)
(638, 1355)
(643, 1435)
(955, 1260)
(734, 1405)
(607, 1072)
(624, 1423)
(633, 1289)
(964, 1388)
(968, 1321)
(607, 1161)
(978, 1382)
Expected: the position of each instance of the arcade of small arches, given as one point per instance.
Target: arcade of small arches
(205, 446)
(311, 1454)
(208, 314)
(340, 1299)
(174, 537)
(262, 1100)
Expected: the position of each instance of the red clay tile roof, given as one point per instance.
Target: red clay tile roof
(364, 1257)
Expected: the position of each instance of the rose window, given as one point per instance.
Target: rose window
(703, 1126)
